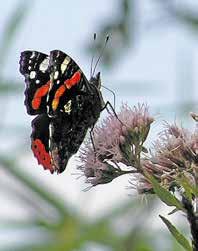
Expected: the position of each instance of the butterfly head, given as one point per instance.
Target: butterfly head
(96, 81)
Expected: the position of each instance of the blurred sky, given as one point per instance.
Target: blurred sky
(157, 56)
(152, 63)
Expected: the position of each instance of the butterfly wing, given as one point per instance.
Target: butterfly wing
(69, 131)
(40, 141)
(66, 138)
(55, 140)
(68, 81)
(66, 104)
(34, 67)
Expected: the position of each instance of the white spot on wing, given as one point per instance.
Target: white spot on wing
(32, 74)
(33, 54)
(50, 135)
(56, 74)
(37, 81)
(67, 107)
(44, 65)
(64, 64)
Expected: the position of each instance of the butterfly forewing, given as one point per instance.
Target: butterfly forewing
(68, 82)
(34, 67)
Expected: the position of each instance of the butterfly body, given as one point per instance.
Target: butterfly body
(65, 102)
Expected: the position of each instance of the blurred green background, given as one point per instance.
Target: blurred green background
(151, 57)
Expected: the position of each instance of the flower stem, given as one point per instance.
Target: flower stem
(193, 221)
(122, 172)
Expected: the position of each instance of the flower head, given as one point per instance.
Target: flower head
(115, 141)
(175, 154)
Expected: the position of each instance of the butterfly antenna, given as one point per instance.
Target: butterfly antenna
(92, 59)
(102, 51)
(114, 97)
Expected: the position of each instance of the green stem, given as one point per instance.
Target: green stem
(137, 158)
(193, 221)
(122, 172)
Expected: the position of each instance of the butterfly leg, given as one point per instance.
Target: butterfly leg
(92, 140)
(112, 109)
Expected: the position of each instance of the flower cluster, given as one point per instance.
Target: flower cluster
(119, 139)
(172, 165)
(175, 154)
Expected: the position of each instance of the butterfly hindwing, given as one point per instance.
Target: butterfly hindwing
(65, 140)
(34, 67)
(68, 131)
(55, 140)
(40, 141)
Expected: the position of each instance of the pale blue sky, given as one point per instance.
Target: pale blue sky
(153, 60)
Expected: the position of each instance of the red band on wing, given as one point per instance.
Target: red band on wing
(57, 96)
(41, 92)
(73, 80)
(67, 85)
(42, 156)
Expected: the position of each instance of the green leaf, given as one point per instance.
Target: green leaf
(164, 194)
(195, 190)
(190, 189)
(173, 211)
(184, 182)
(177, 235)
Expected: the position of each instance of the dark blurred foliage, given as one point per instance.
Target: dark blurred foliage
(122, 27)
(59, 227)
(119, 28)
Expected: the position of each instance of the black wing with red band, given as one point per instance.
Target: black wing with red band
(65, 102)
(68, 81)
(34, 66)
(53, 151)
(40, 141)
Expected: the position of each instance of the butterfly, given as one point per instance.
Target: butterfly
(64, 102)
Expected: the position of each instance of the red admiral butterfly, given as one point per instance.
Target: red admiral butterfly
(65, 102)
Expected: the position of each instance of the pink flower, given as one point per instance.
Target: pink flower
(116, 141)
(175, 153)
